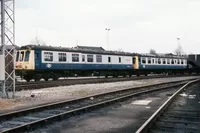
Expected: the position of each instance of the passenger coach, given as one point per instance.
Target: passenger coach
(146, 64)
(37, 62)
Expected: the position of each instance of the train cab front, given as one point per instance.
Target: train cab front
(24, 60)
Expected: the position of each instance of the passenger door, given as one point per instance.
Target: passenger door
(38, 59)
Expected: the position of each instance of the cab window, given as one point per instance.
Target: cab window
(22, 56)
(17, 57)
(27, 55)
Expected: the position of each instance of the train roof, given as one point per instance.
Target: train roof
(82, 49)
(96, 50)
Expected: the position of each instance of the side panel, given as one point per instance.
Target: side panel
(115, 64)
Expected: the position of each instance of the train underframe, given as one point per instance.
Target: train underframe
(55, 74)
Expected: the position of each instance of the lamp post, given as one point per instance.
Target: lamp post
(107, 39)
(179, 50)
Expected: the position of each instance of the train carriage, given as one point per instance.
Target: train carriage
(47, 62)
(145, 64)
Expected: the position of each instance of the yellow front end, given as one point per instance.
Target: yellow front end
(135, 62)
(25, 60)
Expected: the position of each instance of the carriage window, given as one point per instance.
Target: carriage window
(48, 56)
(159, 61)
(83, 58)
(178, 62)
(182, 62)
(98, 58)
(168, 61)
(175, 61)
(153, 61)
(172, 61)
(149, 60)
(89, 58)
(75, 57)
(27, 55)
(17, 56)
(62, 57)
(156, 61)
(109, 59)
(119, 59)
(164, 61)
(143, 60)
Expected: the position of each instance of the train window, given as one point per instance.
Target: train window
(109, 59)
(120, 60)
(156, 60)
(164, 61)
(37, 56)
(143, 60)
(98, 58)
(48, 56)
(89, 58)
(159, 61)
(62, 57)
(27, 55)
(149, 60)
(178, 62)
(22, 56)
(75, 57)
(182, 62)
(83, 58)
(168, 61)
(153, 61)
(17, 56)
(172, 61)
(175, 61)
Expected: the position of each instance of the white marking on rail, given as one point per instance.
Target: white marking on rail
(183, 95)
(141, 102)
(192, 96)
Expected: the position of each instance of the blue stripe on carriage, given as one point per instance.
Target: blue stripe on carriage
(162, 66)
(57, 66)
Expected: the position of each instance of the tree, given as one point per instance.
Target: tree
(179, 51)
(38, 41)
(152, 51)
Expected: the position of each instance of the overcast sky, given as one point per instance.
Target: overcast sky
(136, 25)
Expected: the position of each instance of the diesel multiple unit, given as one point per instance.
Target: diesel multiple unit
(37, 62)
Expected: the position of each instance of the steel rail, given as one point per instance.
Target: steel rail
(147, 125)
(76, 109)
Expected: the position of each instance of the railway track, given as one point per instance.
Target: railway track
(179, 114)
(28, 119)
(65, 82)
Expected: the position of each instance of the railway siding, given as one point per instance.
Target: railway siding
(181, 113)
(20, 120)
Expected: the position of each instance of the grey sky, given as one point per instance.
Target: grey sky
(136, 25)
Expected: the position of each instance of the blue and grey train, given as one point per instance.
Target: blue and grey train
(46, 62)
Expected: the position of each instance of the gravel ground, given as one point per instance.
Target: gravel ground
(34, 97)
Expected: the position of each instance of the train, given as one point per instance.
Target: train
(36, 62)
